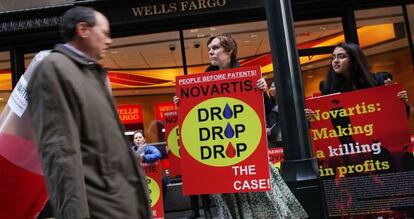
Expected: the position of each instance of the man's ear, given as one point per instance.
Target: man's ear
(82, 29)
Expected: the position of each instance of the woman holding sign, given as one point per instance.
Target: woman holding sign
(279, 202)
(385, 78)
(274, 134)
(349, 71)
(148, 154)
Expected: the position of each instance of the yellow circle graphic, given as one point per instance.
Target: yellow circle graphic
(154, 191)
(221, 131)
(172, 141)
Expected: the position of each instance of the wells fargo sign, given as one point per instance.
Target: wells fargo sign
(176, 7)
(130, 114)
(161, 108)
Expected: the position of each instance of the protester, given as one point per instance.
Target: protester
(89, 169)
(279, 202)
(385, 78)
(349, 71)
(222, 60)
(273, 131)
(148, 154)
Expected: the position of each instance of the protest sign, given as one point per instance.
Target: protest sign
(153, 172)
(172, 136)
(222, 132)
(359, 139)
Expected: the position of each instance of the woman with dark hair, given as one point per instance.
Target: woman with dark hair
(273, 131)
(279, 202)
(349, 70)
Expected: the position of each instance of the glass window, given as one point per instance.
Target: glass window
(382, 36)
(142, 72)
(410, 12)
(254, 46)
(313, 74)
(314, 34)
(144, 62)
(319, 33)
(4, 96)
(252, 41)
(5, 79)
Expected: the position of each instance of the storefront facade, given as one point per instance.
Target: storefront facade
(168, 39)
(156, 41)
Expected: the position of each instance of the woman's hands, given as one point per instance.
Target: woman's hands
(176, 100)
(310, 114)
(402, 95)
(261, 84)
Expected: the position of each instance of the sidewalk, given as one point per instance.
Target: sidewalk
(185, 214)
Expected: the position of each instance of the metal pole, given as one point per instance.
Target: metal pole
(409, 31)
(350, 27)
(183, 55)
(299, 169)
(17, 65)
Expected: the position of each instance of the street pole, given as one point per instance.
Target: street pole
(299, 168)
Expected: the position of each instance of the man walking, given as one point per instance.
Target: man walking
(90, 171)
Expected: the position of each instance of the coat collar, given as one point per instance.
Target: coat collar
(80, 59)
(234, 64)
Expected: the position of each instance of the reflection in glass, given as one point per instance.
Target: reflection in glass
(410, 12)
(5, 79)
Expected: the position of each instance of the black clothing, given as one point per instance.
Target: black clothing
(274, 138)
